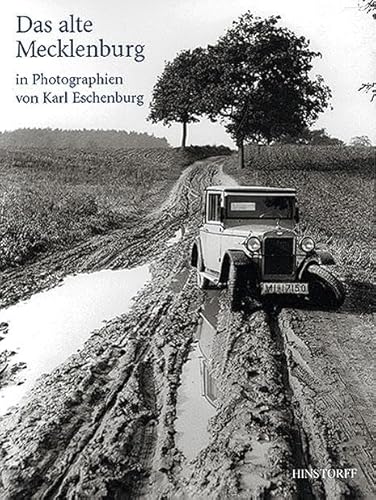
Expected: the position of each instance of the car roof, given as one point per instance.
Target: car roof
(252, 189)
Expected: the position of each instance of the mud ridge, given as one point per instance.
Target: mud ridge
(299, 444)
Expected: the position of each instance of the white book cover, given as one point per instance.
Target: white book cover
(187, 282)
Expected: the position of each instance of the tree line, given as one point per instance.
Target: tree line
(80, 139)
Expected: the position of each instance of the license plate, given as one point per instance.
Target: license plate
(280, 288)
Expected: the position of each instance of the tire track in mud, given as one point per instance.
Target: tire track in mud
(334, 388)
(86, 418)
(57, 488)
(257, 438)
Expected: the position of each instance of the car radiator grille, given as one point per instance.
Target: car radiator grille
(278, 256)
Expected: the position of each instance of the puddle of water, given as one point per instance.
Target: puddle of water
(196, 395)
(193, 409)
(205, 334)
(176, 238)
(51, 325)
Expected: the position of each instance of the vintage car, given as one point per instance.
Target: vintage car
(250, 240)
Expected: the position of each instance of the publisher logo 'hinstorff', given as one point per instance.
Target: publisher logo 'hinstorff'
(324, 473)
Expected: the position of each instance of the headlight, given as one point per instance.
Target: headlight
(307, 244)
(253, 244)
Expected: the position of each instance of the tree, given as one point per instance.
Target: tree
(259, 82)
(177, 93)
(361, 140)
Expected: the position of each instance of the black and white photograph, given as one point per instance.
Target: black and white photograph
(187, 249)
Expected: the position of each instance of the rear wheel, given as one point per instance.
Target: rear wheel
(324, 288)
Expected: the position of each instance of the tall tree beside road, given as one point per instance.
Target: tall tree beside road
(177, 93)
(259, 83)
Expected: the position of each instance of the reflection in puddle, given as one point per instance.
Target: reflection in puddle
(197, 395)
(51, 325)
(192, 409)
(205, 335)
(209, 386)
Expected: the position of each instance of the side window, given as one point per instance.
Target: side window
(214, 208)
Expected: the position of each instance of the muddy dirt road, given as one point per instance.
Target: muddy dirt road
(277, 392)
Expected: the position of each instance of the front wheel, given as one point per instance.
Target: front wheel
(234, 287)
(324, 288)
(242, 288)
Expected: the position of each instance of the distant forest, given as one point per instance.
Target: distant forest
(93, 139)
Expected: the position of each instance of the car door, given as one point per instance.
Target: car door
(211, 232)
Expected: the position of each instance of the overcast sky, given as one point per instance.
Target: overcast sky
(344, 35)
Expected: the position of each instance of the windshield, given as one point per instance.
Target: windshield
(259, 207)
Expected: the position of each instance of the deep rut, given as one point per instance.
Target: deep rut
(298, 439)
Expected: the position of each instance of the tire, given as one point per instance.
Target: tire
(238, 286)
(324, 289)
(233, 287)
(241, 281)
(202, 282)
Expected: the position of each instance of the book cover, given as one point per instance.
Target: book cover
(187, 288)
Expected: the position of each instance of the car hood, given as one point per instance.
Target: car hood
(246, 230)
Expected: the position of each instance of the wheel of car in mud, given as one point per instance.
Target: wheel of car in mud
(242, 287)
(236, 285)
(202, 282)
(324, 289)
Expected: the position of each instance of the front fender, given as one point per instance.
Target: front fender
(236, 257)
(320, 257)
